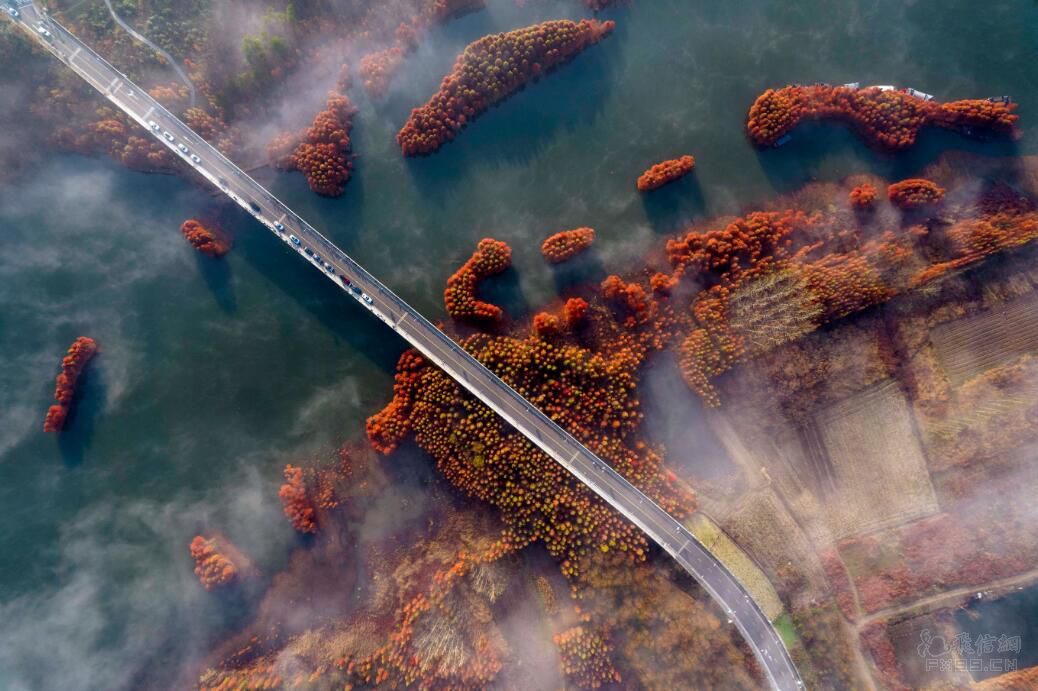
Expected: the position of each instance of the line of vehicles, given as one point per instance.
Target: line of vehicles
(171, 139)
(319, 260)
(197, 161)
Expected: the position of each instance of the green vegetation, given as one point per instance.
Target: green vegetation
(787, 630)
(178, 26)
(268, 56)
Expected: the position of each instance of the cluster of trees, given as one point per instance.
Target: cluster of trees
(388, 427)
(888, 119)
(663, 172)
(79, 354)
(295, 500)
(111, 135)
(211, 566)
(975, 239)
(567, 244)
(204, 240)
(591, 396)
(491, 257)
(863, 196)
(322, 152)
(441, 641)
(377, 69)
(488, 71)
(214, 130)
(731, 260)
(585, 658)
(914, 193)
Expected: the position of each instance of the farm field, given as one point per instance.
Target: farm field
(763, 526)
(969, 346)
(877, 465)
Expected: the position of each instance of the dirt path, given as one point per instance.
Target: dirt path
(949, 597)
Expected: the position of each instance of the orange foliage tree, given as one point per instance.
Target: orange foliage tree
(863, 196)
(546, 325)
(212, 568)
(203, 239)
(886, 118)
(566, 244)
(914, 193)
(488, 71)
(491, 257)
(79, 354)
(666, 171)
(295, 500)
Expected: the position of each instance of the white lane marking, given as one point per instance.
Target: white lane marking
(150, 111)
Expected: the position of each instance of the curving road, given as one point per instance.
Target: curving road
(338, 267)
(146, 41)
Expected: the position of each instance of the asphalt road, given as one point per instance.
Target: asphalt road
(434, 344)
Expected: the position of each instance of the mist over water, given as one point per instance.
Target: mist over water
(214, 374)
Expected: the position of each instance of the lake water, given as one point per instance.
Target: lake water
(213, 375)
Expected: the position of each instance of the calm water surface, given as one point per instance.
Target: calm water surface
(213, 374)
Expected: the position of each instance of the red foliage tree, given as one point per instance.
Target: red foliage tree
(574, 311)
(566, 244)
(914, 193)
(886, 118)
(295, 501)
(488, 71)
(203, 239)
(666, 171)
(212, 568)
(632, 296)
(662, 284)
(491, 257)
(79, 354)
